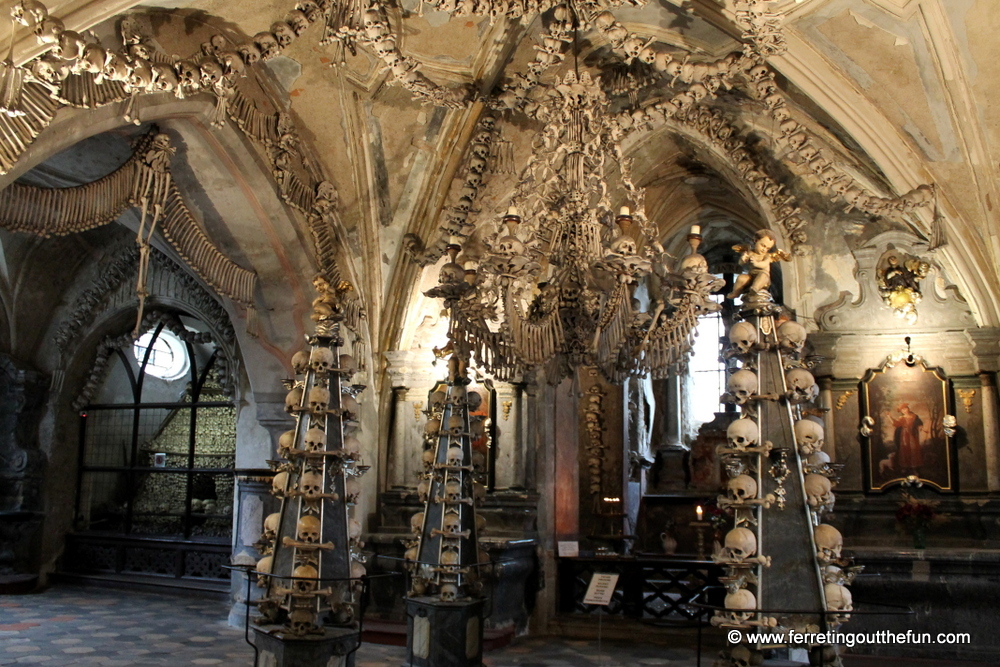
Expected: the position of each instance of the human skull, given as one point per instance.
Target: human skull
(423, 488)
(437, 401)
(271, 524)
(249, 52)
(457, 395)
(315, 440)
(211, 73)
(742, 385)
(417, 523)
(809, 436)
(308, 529)
(432, 428)
(428, 459)
(743, 602)
(283, 33)
(742, 488)
(453, 491)
(452, 274)
(297, 21)
(456, 457)
(321, 359)
(801, 385)
(792, 336)
(263, 569)
(311, 484)
(188, 75)
(311, 10)
(449, 592)
(449, 557)
(473, 399)
(624, 245)
(741, 543)
(286, 441)
(829, 543)
(353, 529)
(452, 525)
(293, 400)
(479, 492)
(694, 263)
(478, 462)
(818, 491)
(352, 489)
(319, 400)
(818, 459)
(164, 78)
(305, 576)
(838, 598)
(48, 30)
(456, 425)
(743, 336)
(278, 484)
(50, 69)
(301, 621)
(349, 406)
(267, 45)
(348, 366)
(352, 446)
(300, 362)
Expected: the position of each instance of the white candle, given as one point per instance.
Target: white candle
(512, 211)
(624, 211)
(696, 229)
(699, 512)
(454, 240)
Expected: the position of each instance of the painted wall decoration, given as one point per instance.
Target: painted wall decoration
(908, 425)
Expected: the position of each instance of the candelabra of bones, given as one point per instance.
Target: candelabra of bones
(312, 567)
(780, 479)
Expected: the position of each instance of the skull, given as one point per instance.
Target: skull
(453, 492)
(293, 400)
(300, 362)
(792, 336)
(473, 399)
(283, 33)
(417, 523)
(457, 395)
(305, 576)
(452, 525)
(264, 568)
(315, 440)
(809, 436)
(48, 30)
(437, 401)
(741, 543)
(352, 489)
(818, 491)
(456, 425)
(249, 52)
(480, 524)
(164, 78)
(70, 45)
(801, 385)
(478, 462)
(743, 336)
(311, 484)
(479, 492)
(352, 446)
(266, 44)
(348, 366)
(93, 59)
(211, 73)
(456, 457)
(296, 19)
(353, 529)
(423, 488)
(310, 9)
(449, 592)
(286, 441)
(271, 524)
(449, 557)
(308, 529)
(742, 385)
(838, 598)
(278, 484)
(742, 488)
(319, 400)
(188, 74)
(432, 428)
(49, 69)
(428, 459)
(321, 359)
(29, 12)
(818, 459)
(829, 543)
(385, 47)
(349, 406)
(624, 245)
(452, 274)
(743, 601)
(301, 621)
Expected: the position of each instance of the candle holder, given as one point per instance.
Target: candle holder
(699, 527)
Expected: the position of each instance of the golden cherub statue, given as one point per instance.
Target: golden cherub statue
(759, 258)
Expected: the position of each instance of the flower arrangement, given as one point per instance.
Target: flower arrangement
(915, 516)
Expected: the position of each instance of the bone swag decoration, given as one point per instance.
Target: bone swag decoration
(312, 567)
(773, 386)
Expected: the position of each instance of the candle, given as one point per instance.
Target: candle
(512, 212)
(696, 229)
(699, 512)
(624, 211)
(454, 240)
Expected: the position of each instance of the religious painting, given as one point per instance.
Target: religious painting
(907, 425)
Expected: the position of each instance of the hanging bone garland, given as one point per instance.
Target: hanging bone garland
(312, 547)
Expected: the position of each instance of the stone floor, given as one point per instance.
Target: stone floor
(69, 625)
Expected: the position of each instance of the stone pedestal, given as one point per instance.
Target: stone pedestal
(444, 634)
(277, 648)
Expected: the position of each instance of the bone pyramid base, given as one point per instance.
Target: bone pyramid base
(334, 648)
(444, 634)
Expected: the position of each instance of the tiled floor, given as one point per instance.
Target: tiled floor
(71, 625)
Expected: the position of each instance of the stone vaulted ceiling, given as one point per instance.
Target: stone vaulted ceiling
(891, 95)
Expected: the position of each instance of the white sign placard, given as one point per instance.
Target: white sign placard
(569, 549)
(601, 588)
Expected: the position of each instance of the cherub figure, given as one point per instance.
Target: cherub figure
(759, 259)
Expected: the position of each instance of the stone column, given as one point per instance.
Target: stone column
(254, 503)
(509, 455)
(991, 424)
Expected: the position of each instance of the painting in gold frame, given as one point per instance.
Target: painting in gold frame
(904, 404)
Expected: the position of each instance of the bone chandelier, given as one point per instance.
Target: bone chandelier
(555, 286)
